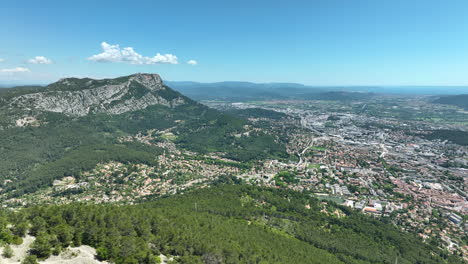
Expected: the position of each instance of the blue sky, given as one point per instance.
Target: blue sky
(316, 42)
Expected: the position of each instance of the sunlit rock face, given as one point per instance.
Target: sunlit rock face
(79, 97)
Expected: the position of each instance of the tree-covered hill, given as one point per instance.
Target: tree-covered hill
(41, 142)
(221, 224)
(455, 136)
(460, 100)
(257, 113)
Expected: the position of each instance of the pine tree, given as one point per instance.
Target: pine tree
(41, 247)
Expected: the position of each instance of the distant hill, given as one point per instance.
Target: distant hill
(19, 90)
(339, 96)
(460, 100)
(455, 136)
(257, 113)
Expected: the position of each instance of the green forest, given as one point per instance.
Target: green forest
(257, 113)
(455, 136)
(226, 223)
(62, 146)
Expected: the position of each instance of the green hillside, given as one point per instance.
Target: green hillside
(35, 155)
(222, 224)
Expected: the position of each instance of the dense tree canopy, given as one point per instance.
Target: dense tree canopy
(32, 157)
(222, 224)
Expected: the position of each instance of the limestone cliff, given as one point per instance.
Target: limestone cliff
(80, 97)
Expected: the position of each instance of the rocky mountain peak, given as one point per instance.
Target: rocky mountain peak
(151, 81)
(147, 77)
(79, 97)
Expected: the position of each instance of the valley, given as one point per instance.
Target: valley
(395, 162)
(234, 132)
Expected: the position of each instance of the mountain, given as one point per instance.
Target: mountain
(460, 100)
(80, 97)
(72, 125)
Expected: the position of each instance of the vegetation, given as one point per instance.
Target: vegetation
(223, 224)
(83, 159)
(284, 178)
(7, 252)
(31, 259)
(240, 165)
(32, 157)
(257, 113)
(455, 136)
(457, 100)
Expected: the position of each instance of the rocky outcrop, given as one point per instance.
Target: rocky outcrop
(113, 96)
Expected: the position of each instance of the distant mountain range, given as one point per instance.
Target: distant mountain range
(246, 91)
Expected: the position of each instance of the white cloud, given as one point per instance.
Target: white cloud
(15, 70)
(2, 60)
(40, 60)
(113, 53)
(192, 62)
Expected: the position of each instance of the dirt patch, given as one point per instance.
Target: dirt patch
(71, 255)
(75, 255)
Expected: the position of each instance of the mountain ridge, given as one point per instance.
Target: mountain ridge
(80, 97)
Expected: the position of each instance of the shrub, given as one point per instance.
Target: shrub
(7, 252)
(31, 259)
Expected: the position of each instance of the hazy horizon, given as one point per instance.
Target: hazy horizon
(382, 89)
